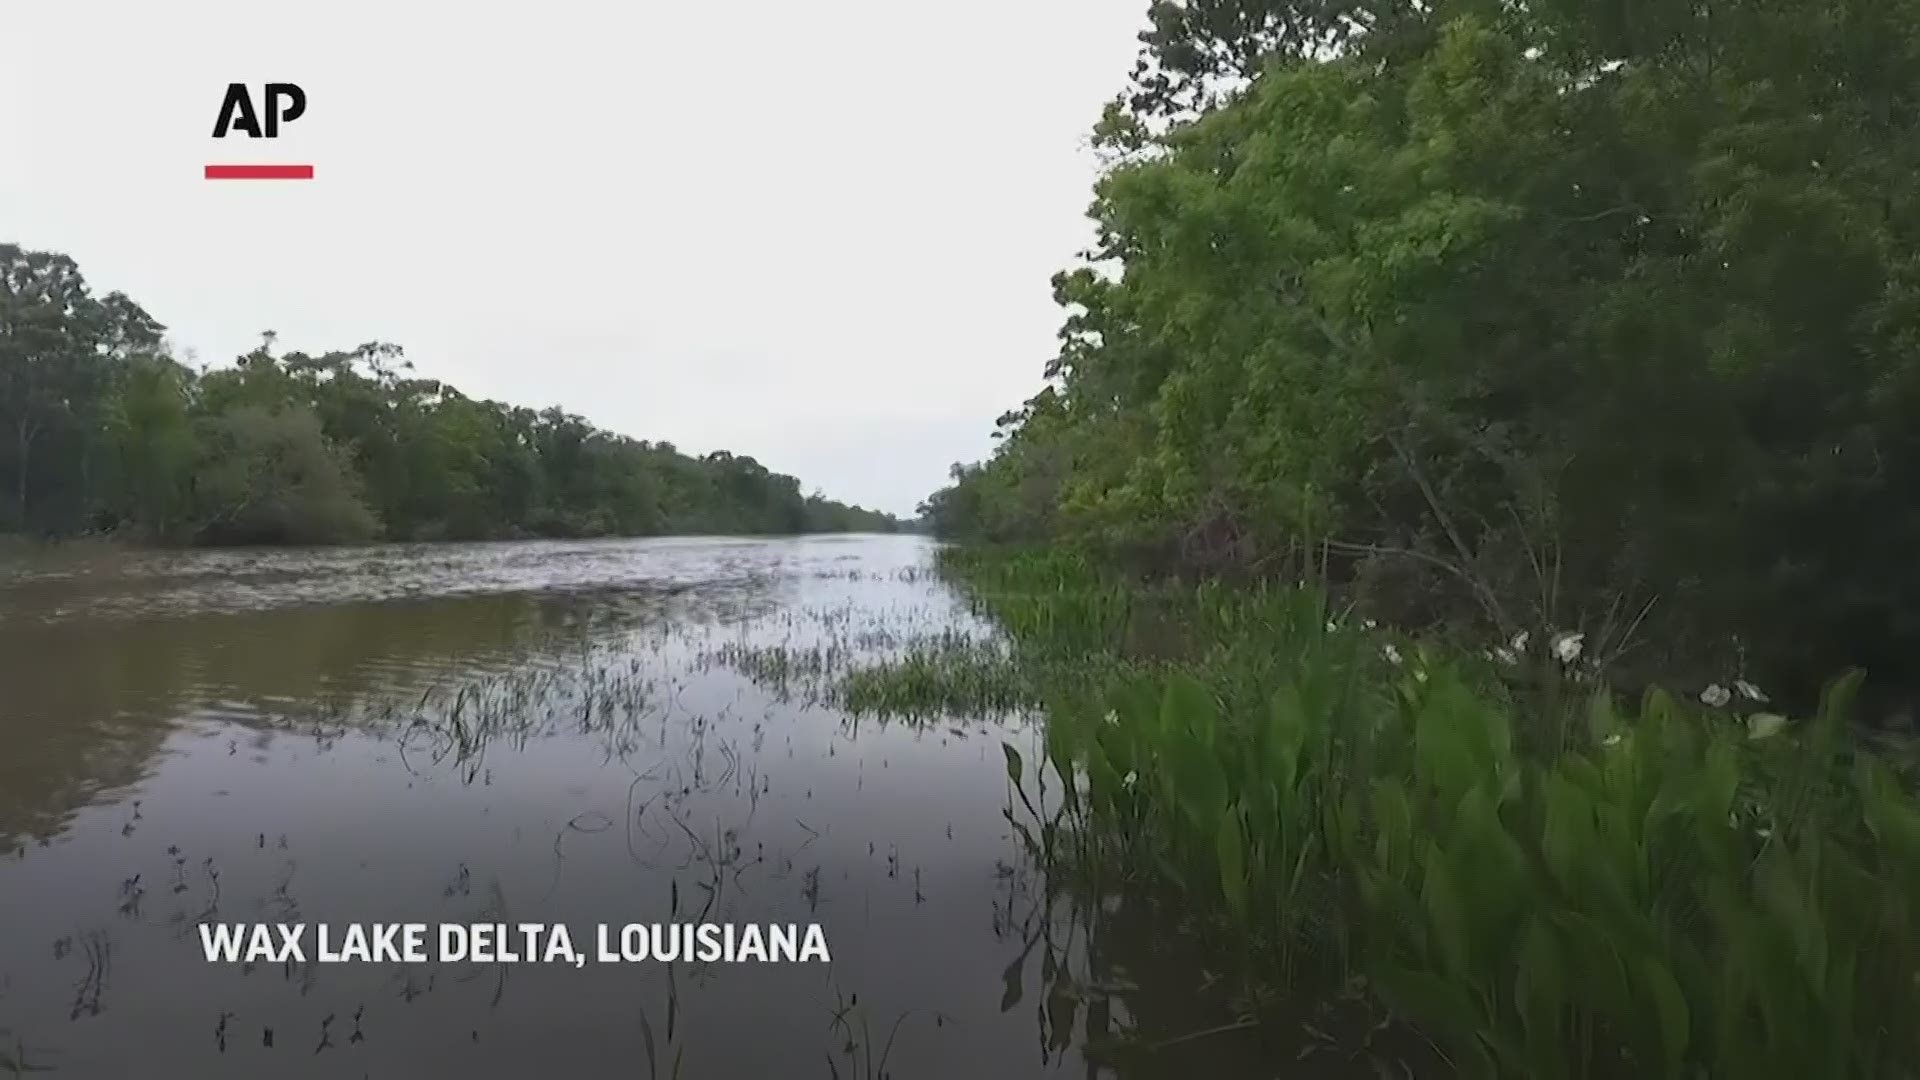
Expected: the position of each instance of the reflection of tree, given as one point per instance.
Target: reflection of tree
(85, 704)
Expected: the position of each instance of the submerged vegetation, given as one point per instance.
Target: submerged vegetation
(1545, 881)
(102, 431)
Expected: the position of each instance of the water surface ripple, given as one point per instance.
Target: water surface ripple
(543, 732)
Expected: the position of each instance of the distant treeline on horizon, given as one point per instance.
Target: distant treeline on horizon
(102, 431)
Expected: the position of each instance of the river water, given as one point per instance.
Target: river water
(529, 732)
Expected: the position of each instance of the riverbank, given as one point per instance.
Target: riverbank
(19, 543)
(22, 544)
(1545, 880)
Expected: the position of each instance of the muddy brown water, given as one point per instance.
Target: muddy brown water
(538, 732)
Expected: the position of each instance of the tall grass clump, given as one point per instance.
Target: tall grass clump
(1654, 890)
(972, 678)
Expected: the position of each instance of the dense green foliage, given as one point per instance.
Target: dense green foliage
(1584, 331)
(102, 431)
(1547, 884)
(1506, 317)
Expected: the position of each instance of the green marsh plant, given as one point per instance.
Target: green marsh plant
(1656, 890)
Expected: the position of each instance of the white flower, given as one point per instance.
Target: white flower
(1749, 691)
(1715, 696)
(1392, 654)
(1762, 724)
(1112, 717)
(1504, 655)
(1127, 780)
(1369, 624)
(1567, 647)
(1611, 740)
(1332, 626)
(1519, 642)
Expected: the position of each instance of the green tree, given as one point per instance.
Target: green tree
(1545, 317)
(99, 428)
(150, 429)
(58, 344)
(273, 477)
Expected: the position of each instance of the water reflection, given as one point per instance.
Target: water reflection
(548, 733)
(85, 702)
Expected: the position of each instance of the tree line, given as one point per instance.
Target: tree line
(103, 431)
(1504, 320)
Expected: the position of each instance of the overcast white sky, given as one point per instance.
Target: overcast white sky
(817, 233)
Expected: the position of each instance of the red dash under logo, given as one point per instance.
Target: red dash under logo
(284, 103)
(259, 172)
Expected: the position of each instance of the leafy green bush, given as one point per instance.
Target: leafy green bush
(274, 478)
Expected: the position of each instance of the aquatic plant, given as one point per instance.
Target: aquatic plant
(1549, 885)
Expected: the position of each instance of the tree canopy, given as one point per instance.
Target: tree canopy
(101, 430)
(1505, 316)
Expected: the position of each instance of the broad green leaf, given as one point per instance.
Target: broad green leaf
(1669, 1008)
(1015, 767)
(1232, 855)
(1441, 1007)
(1447, 918)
